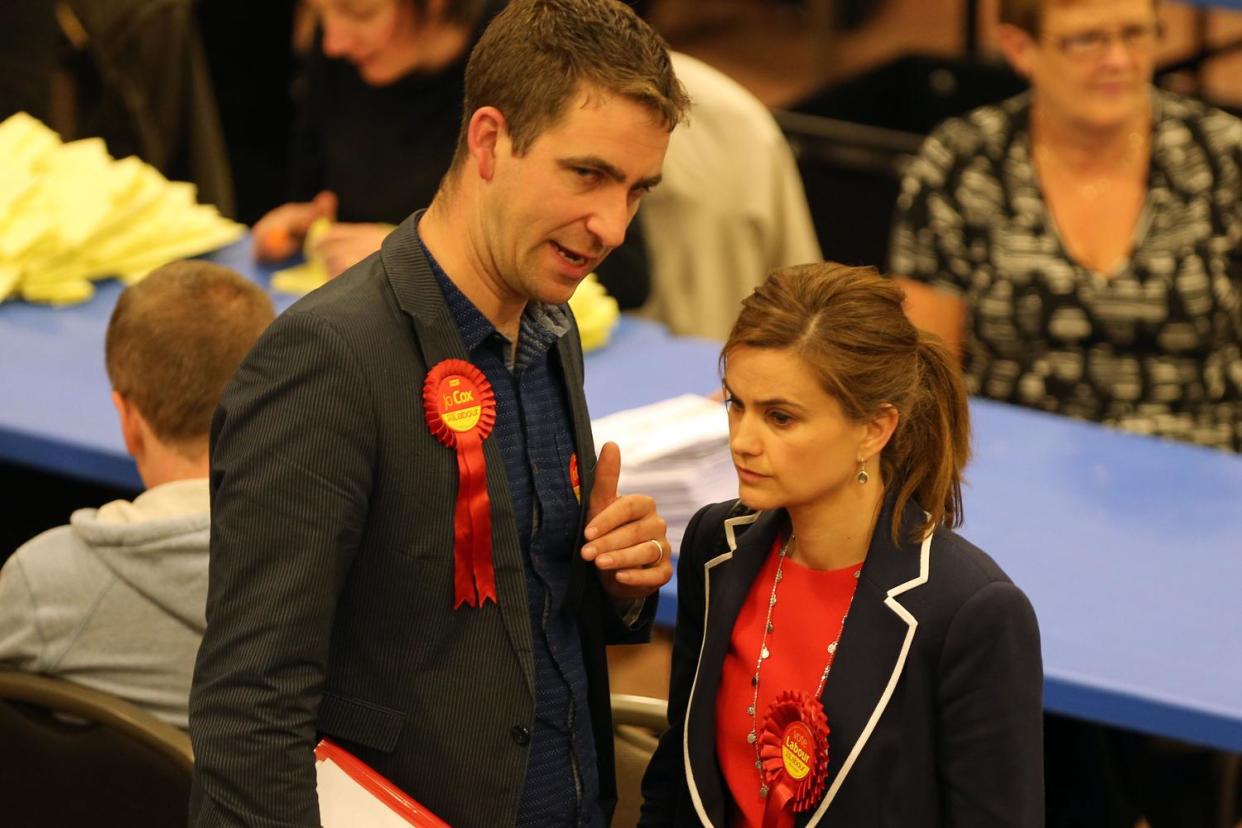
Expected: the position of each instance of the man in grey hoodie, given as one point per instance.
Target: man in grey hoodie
(115, 600)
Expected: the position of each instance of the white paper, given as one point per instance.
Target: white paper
(675, 451)
(343, 803)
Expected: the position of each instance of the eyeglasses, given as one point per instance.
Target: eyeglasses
(1095, 43)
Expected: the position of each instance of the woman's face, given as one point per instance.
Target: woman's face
(791, 443)
(376, 36)
(1092, 62)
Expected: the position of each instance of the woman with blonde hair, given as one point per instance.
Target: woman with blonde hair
(842, 658)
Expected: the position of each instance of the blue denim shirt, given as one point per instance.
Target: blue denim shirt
(534, 429)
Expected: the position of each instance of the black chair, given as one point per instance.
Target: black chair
(853, 139)
(70, 755)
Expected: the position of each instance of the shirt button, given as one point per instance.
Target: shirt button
(520, 735)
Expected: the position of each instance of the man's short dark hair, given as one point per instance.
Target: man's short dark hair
(533, 57)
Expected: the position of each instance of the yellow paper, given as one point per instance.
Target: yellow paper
(69, 214)
(597, 313)
(312, 272)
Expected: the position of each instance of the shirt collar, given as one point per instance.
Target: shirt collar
(541, 325)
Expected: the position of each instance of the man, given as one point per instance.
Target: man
(401, 467)
(115, 599)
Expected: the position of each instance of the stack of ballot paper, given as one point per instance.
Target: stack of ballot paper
(70, 213)
(676, 451)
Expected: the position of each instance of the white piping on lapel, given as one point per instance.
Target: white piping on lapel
(911, 624)
(730, 523)
(707, 597)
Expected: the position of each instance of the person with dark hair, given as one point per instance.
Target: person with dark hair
(379, 109)
(414, 550)
(1081, 243)
(841, 656)
(379, 113)
(115, 599)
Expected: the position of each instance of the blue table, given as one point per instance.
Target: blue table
(1130, 548)
(56, 414)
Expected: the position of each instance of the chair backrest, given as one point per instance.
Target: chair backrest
(71, 755)
(637, 722)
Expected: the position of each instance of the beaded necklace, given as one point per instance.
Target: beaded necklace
(752, 738)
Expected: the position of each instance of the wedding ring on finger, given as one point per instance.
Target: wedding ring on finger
(658, 560)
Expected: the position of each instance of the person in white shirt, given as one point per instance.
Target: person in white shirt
(729, 209)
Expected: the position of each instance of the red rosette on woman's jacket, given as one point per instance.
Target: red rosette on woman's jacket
(460, 407)
(793, 749)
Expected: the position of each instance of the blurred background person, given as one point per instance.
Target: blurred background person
(729, 209)
(1082, 243)
(132, 72)
(379, 111)
(27, 57)
(115, 600)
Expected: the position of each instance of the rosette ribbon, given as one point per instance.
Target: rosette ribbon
(793, 748)
(460, 407)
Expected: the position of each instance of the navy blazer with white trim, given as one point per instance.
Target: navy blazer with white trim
(935, 698)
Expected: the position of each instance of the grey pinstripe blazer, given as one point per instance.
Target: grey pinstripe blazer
(330, 602)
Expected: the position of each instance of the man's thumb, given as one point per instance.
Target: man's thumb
(607, 474)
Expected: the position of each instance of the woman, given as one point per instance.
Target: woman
(379, 114)
(379, 111)
(831, 600)
(1083, 242)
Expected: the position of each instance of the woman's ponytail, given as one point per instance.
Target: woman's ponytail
(933, 445)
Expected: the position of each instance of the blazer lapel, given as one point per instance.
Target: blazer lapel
(419, 295)
(569, 349)
(727, 578)
(874, 645)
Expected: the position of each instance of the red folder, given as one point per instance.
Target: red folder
(352, 794)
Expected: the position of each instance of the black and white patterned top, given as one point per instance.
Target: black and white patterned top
(1155, 347)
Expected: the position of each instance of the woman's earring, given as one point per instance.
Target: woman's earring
(863, 477)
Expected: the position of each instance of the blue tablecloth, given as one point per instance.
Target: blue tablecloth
(1130, 548)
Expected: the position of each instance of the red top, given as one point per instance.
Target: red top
(810, 605)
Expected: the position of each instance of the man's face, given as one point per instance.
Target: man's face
(552, 214)
(1093, 60)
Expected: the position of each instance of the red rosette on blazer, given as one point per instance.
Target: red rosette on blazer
(793, 748)
(460, 408)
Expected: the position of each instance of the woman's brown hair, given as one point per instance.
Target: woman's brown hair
(847, 323)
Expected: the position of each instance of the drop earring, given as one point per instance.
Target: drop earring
(863, 477)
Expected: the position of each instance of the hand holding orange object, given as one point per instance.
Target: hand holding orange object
(280, 233)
